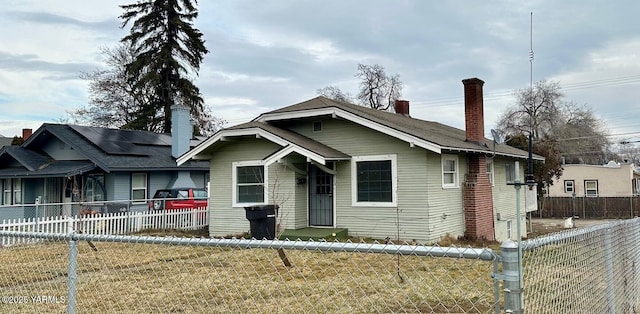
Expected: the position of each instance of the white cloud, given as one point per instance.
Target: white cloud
(604, 80)
(229, 77)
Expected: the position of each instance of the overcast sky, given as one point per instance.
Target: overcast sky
(269, 54)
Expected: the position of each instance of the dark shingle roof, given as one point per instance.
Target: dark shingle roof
(447, 137)
(146, 151)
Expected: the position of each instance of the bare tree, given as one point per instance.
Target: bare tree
(535, 111)
(115, 101)
(377, 89)
(582, 137)
(544, 113)
(335, 93)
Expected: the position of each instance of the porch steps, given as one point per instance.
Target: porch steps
(315, 233)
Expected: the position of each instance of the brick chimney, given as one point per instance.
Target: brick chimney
(401, 107)
(26, 133)
(473, 110)
(477, 190)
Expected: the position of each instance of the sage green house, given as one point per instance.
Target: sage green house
(377, 174)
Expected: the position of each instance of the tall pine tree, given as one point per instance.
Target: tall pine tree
(169, 51)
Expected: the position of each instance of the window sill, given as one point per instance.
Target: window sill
(374, 204)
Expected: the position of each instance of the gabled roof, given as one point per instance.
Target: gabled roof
(432, 136)
(290, 142)
(107, 149)
(429, 135)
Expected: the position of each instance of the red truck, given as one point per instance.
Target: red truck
(179, 198)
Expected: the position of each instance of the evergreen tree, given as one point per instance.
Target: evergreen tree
(168, 53)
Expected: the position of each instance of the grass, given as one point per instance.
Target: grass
(143, 278)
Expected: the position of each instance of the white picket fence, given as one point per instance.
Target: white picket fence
(108, 223)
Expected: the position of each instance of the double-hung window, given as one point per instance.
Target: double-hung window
(249, 183)
(591, 187)
(17, 191)
(6, 192)
(11, 191)
(510, 172)
(490, 171)
(374, 180)
(569, 186)
(449, 171)
(139, 187)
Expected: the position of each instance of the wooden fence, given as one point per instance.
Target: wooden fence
(589, 207)
(109, 223)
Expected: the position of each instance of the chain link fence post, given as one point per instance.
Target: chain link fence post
(511, 277)
(72, 275)
(611, 298)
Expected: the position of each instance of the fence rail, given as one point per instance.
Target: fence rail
(108, 223)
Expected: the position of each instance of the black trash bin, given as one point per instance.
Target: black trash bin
(262, 221)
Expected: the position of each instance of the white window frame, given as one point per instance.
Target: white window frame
(510, 172)
(568, 189)
(6, 192)
(394, 180)
(17, 191)
(509, 229)
(11, 191)
(456, 172)
(234, 182)
(586, 191)
(137, 188)
(490, 172)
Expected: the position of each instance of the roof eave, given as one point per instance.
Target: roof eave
(481, 151)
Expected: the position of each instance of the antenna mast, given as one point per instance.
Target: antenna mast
(530, 179)
(531, 56)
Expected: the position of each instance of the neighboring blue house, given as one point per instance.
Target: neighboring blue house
(62, 163)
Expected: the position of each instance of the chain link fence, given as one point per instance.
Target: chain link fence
(590, 270)
(162, 274)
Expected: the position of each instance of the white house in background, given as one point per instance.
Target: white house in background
(612, 179)
(330, 164)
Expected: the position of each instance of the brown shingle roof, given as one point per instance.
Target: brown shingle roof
(447, 137)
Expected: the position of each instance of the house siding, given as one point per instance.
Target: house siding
(226, 219)
(504, 200)
(445, 206)
(409, 220)
(282, 192)
(301, 200)
(612, 180)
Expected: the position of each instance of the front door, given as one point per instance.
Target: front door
(320, 197)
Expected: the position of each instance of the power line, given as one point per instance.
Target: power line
(500, 95)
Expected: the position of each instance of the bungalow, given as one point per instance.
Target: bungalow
(611, 180)
(331, 164)
(62, 163)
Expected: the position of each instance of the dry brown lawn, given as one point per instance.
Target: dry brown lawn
(146, 278)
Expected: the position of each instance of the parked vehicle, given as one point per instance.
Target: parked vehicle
(179, 198)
